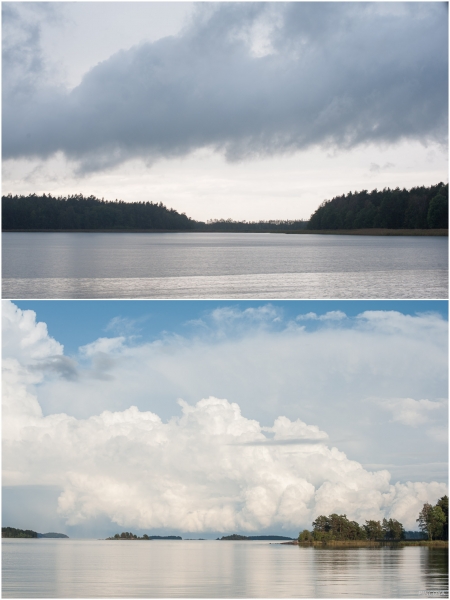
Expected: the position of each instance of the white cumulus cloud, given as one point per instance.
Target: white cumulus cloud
(207, 469)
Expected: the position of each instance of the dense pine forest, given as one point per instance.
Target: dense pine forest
(418, 208)
(78, 213)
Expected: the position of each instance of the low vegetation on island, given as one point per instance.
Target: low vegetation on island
(421, 209)
(432, 521)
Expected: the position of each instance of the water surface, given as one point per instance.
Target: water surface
(217, 569)
(222, 265)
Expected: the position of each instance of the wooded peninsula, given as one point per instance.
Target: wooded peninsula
(432, 521)
(420, 209)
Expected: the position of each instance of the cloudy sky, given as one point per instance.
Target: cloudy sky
(203, 418)
(242, 110)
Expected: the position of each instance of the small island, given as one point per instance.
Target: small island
(127, 535)
(12, 532)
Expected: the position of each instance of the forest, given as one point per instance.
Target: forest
(78, 213)
(418, 208)
(432, 521)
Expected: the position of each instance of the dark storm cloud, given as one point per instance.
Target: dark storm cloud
(330, 74)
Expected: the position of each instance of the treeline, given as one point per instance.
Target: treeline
(418, 208)
(433, 522)
(228, 225)
(77, 212)
(339, 528)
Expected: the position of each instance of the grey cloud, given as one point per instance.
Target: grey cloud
(25, 66)
(334, 74)
(61, 365)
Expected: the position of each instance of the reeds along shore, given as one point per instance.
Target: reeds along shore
(351, 543)
(393, 232)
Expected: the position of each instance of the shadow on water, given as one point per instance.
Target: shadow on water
(435, 567)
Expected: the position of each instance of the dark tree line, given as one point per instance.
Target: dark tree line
(251, 226)
(78, 212)
(12, 532)
(418, 208)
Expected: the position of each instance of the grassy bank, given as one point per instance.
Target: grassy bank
(365, 543)
(414, 232)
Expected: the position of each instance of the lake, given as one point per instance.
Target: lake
(217, 569)
(222, 265)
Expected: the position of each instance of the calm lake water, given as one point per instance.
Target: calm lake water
(217, 569)
(222, 265)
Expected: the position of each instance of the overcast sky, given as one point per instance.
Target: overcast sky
(242, 110)
(215, 417)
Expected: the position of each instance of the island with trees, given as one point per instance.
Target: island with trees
(127, 535)
(337, 529)
(418, 211)
(12, 532)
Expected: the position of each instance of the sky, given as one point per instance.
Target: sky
(209, 418)
(224, 110)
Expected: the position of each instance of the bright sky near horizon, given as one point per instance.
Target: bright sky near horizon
(221, 416)
(224, 110)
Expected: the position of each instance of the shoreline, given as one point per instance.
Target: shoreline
(374, 232)
(363, 232)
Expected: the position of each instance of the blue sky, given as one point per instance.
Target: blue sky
(75, 323)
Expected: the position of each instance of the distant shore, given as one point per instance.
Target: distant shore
(372, 232)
